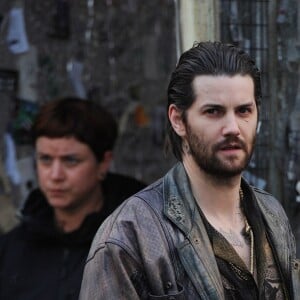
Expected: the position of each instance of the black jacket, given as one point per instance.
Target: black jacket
(39, 262)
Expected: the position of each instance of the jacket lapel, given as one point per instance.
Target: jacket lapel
(198, 259)
(195, 251)
(276, 230)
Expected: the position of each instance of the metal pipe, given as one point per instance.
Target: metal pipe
(274, 177)
(177, 29)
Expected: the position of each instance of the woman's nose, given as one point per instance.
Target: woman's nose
(57, 171)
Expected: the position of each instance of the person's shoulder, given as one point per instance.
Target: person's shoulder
(140, 202)
(124, 181)
(10, 239)
(263, 194)
(137, 214)
(127, 185)
(137, 206)
(118, 187)
(268, 201)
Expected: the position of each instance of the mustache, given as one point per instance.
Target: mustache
(230, 141)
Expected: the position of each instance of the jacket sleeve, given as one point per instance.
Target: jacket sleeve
(130, 257)
(112, 274)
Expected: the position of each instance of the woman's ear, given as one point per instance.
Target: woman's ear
(175, 117)
(104, 165)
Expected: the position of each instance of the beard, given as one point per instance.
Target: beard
(207, 159)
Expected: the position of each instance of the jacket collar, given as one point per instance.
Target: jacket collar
(38, 219)
(195, 251)
(179, 203)
(276, 228)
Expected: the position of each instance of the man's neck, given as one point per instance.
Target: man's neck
(217, 197)
(220, 202)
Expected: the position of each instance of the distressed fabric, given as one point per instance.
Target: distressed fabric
(155, 246)
(238, 282)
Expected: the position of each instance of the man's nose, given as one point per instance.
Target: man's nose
(231, 125)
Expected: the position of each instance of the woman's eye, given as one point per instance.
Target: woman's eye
(71, 161)
(44, 159)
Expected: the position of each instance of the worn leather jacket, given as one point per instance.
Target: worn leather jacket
(155, 246)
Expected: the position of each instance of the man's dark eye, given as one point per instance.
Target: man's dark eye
(212, 111)
(244, 110)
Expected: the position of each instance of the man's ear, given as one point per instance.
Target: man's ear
(175, 117)
(104, 165)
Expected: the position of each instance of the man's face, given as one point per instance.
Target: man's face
(220, 126)
(68, 172)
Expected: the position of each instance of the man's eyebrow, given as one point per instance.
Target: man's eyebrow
(217, 105)
(248, 104)
(212, 105)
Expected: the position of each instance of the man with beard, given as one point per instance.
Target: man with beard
(201, 231)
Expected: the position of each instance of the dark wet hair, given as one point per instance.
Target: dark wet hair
(205, 58)
(82, 119)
